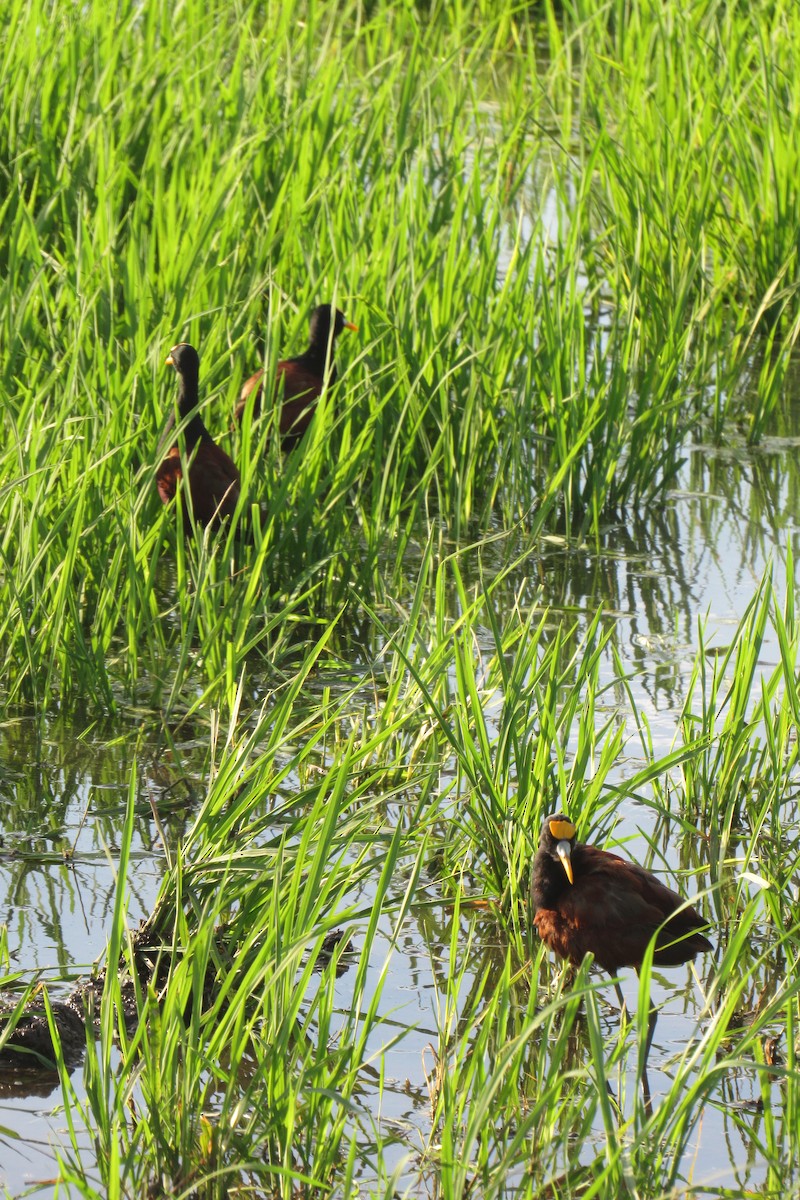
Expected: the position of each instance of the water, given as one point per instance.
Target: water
(694, 561)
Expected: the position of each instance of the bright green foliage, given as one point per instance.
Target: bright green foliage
(568, 235)
(560, 264)
(253, 1066)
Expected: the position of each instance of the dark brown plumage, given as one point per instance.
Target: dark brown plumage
(30, 1042)
(213, 476)
(587, 899)
(299, 381)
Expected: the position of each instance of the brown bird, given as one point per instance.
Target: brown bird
(300, 380)
(213, 476)
(587, 899)
(30, 1042)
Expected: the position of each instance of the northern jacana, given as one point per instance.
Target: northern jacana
(213, 475)
(587, 899)
(299, 381)
(30, 1042)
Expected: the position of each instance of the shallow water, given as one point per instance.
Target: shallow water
(658, 575)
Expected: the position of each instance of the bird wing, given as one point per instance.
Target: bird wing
(615, 910)
(213, 482)
(296, 382)
(296, 389)
(168, 475)
(249, 385)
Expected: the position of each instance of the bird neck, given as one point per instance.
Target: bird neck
(315, 356)
(188, 398)
(548, 882)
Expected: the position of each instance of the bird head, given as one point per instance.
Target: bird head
(184, 358)
(321, 319)
(558, 837)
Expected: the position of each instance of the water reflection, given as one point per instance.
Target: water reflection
(62, 799)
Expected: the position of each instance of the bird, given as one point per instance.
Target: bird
(29, 1041)
(589, 900)
(299, 381)
(214, 482)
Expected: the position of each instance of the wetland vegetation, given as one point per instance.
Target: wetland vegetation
(569, 238)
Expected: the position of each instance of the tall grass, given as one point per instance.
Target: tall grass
(249, 1064)
(546, 253)
(567, 240)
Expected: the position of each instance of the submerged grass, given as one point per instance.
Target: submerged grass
(567, 240)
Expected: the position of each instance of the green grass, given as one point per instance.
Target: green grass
(568, 237)
(249, 1068)
(552, 278)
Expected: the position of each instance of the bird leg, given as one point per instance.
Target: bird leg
(651, 1028)
(646, 1097)
(652, 1018)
